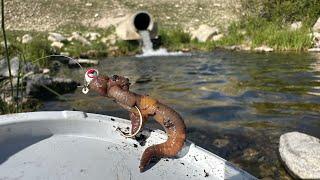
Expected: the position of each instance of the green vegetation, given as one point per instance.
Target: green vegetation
(174, 38)
(268, 23)
(257, 32)
(284, 11)
(127, 47)
(177, 39)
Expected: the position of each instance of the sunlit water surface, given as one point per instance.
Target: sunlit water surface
(234, 104)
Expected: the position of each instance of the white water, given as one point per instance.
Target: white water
(148, 50)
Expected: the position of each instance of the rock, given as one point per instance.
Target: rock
(14, 64)
(27, 38)
(316, 39)
(56, 37)
(65, 53)
(89, 4)
(91, 54)
(55, 66)
(45, 71)
(314, 50)
(316, 26)
(263, 49)
(113, 48)
(204, 33)
(38, 86)
(249, 153)
(300, 153)
(77, 37)
(221, 142)
(57, 45)
(217, 37)
(92, 36)
(241, 47)
(85, 62)
(112, 39)
(185, 50)
(295, 26)
(29, 67)
(3, 45)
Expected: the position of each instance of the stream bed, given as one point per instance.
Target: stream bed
(235, 104)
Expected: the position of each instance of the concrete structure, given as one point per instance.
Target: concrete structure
(130, 27)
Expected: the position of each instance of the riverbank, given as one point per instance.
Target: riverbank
(183, 26)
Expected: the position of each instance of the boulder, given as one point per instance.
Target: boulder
(56, 37)
(316, 26)
(3, 45)
(112, 39)
(78, 37)
(217, 37)
(242, 47)
(27, 38)
(263, 49)
(295, 26)
(14, 64)
(92, 36)
(314, 50)
(204, 33)
(45, 71)
(57, 45)
(41, 86)
(316, 39)
(300, 153)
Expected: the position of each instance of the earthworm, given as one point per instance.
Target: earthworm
(117, 88)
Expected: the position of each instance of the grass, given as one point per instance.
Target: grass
(267, 22)
(176, 39)
(128, 47)
(257, 32)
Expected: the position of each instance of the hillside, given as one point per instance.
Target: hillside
(48, 15)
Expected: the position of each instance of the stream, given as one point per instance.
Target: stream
(235, 104)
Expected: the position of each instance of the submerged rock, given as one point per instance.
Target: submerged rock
(300, 153)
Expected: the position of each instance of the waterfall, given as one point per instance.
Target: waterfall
(147, 44)
(148, 50)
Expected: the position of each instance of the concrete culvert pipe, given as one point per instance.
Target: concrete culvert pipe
(139, 21)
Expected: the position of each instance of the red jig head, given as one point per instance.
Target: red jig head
(88, 77)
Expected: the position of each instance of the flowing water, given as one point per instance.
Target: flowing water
(234, 104)
(147, 47)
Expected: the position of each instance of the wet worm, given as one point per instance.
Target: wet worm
(117, 88)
